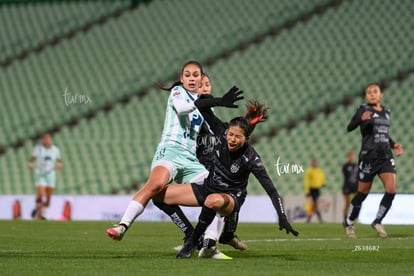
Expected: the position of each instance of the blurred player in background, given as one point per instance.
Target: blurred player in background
(233, 159)
(375, 158)
(314, 180)
(350, 185)
(45, 160)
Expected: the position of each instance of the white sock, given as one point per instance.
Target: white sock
(214, 230)
(133, 210)
(44, 211)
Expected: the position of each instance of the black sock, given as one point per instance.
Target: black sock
(384, 207)
(177, 216)
(204, 220)
(356, 204)
(230, 225)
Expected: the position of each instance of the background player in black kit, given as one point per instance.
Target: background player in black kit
(233, 159)
(375, 158)
(350, 185)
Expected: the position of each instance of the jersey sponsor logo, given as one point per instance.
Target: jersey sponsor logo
(196, 121)
(160, 154)
(234, 168)
(365, 168)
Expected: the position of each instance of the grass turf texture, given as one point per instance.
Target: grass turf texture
(81, 248)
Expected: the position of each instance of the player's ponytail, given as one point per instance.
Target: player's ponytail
(255, 113)
(159, 86)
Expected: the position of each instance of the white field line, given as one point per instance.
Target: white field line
(325, 239)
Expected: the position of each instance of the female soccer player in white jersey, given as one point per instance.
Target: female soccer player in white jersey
(175, 157)
(48, 160)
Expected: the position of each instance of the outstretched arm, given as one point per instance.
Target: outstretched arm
(260, 173)
(228, 99)
(205, 103)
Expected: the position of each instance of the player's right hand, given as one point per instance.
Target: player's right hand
(284, 224)
(366, 115)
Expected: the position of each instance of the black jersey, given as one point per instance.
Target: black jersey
(376, 142)
(206, 142)
(350, 173)
(229, 171)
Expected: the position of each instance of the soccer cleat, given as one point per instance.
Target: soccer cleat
(187, 251)
(380, 229)
(199, 245)
(213, 253)
(116, 233)
(237, 243)
(349, 231)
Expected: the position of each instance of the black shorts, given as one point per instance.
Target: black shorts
(201, 192)
(349, 189)
(315, 193)
(368, 169)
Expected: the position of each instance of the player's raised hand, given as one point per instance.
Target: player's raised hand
(232, 96)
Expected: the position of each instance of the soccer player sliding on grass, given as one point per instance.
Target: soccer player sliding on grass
(233, 159)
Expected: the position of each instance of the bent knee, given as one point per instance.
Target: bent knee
(215, 201)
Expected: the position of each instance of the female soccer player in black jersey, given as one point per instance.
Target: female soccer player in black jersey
(375, 158)
(233, 159)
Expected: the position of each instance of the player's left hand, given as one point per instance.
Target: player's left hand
(232, 96)
(284, 224)
(398, 149)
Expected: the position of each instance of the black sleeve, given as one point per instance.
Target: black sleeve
(216, 125)
(259, 171)
(356, 120)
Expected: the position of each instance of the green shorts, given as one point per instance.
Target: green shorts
(45, 179)
(183, 166)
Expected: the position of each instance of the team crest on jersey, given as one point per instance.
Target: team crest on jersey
(234, 168)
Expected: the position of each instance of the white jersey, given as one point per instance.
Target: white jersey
(182, 120)
(46, 158)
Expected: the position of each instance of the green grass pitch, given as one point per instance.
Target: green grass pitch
(81, 248)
